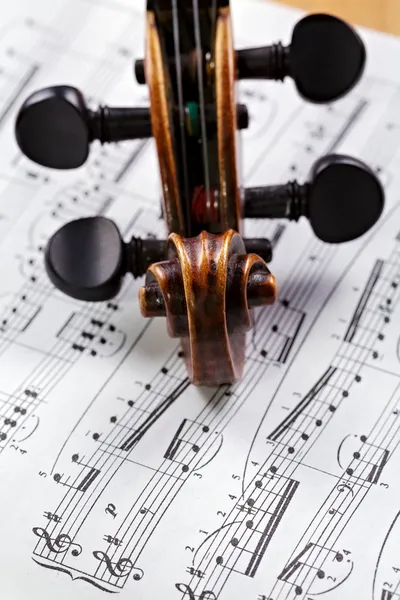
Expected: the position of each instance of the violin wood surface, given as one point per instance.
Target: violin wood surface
(207, 290)
(162, 125)
(203, 288)
(204, 276)
(225, 79)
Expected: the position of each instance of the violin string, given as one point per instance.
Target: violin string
(213, 23)
(199, 56)
(179, 83)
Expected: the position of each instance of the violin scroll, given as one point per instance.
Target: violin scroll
(206, 290)
(87, 259)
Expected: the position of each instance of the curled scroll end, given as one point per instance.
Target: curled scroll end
(151, 301)
(262, 289)
(206, 290)
(163, 296)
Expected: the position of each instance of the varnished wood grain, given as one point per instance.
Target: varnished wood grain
(161, 119)
(208, 286)
(207, 290)
(383, 15)
(225, 79)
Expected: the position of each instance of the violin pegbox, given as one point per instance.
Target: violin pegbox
(205, 277)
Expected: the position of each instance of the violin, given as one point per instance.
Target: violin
(206, 277)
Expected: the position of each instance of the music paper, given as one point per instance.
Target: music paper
(116, 475)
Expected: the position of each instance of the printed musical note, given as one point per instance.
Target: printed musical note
(129, 472)
(358, 313)
(133, 439)
(302, 405)
(88, 480)
(286, 498)
(283, 333)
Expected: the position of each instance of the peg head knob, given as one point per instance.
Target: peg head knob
(85, 259)
(345, 199)
(327, 58)
(52, 128)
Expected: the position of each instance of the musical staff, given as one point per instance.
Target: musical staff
(282, 334)
(141, 483)
(25, 82)
(299, 410)
(271, 527)
(133, 439)
(293, 438)
(88, 480)
(348, 125)
(371, 283)
(176, 441)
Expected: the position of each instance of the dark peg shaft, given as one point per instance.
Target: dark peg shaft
(87, 259)
(139, 71)
(260, 246)
(242, 117)
(343, 199)
(187, 64)
(54, 127)
(326, 59)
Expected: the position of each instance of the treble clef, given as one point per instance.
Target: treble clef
(187, 591)
(121, 568)
(60, 544)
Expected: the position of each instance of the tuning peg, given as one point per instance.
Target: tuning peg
(326, 59)
(187, 64)
(139, 71)
(54, 127)
(87, 259)
(343, 199)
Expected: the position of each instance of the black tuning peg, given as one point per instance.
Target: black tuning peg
(326, 59)
(54, 127)
(87, 259)
(343, 199)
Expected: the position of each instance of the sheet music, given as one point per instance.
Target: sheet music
(118, 476)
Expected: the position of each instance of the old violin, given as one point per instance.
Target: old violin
(205, 278)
